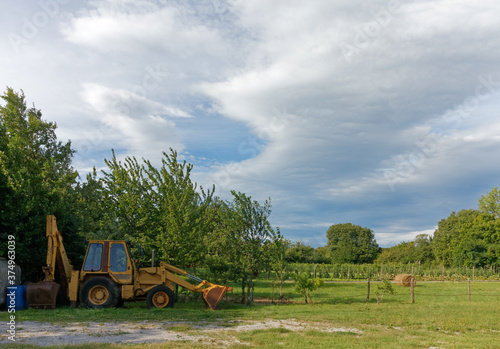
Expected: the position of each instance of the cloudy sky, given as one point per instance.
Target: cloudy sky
(383, 113)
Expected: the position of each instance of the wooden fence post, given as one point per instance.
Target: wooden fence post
(468, 286)
(412, 290)
(368, 294)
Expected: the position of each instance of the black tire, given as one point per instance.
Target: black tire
(99, 292)
(120, 302)
(160, 297)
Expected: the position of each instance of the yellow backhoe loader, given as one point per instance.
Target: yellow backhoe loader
(109, 276)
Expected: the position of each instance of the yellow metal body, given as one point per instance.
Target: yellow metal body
(56, 252)
(111, 259)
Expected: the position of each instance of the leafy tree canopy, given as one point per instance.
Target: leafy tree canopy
(158, 208)
(467, 238)
(490, 203)
(349, 243)
(36, 179)
(419, 250)
(299, 252)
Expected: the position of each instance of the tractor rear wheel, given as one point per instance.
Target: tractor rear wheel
(99, 292)
(160, 297)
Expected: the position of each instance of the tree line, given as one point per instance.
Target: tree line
(161, 208)
(468, 238)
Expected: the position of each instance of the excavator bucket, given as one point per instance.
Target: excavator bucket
(213, 295)
(42, 295)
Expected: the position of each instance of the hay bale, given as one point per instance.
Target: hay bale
(404, 280)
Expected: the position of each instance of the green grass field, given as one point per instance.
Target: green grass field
(441, 317)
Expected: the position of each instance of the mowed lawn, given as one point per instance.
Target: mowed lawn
(441, 317)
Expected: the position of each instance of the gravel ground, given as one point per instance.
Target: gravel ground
(219, 334)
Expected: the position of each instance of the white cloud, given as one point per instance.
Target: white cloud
(134, 122)
(391, 239)
(356, 119)
(106, 100)
(333, 96)
(143, 28)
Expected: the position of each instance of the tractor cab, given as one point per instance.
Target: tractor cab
(109, 258)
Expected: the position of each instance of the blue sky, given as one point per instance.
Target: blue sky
(383, 113)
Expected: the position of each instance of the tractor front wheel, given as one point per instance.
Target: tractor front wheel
(160, 297)
(99, 292)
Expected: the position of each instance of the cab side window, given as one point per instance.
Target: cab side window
(94, 258)
(118, 258)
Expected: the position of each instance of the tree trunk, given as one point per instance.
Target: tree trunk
(249, 287)
(281, 286)
(272, 293)
(243, 281)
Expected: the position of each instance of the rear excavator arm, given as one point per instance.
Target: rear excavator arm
(56, 254)
(44, 293)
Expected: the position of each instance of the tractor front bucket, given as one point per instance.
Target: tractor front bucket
(212, 295)
(42, 295)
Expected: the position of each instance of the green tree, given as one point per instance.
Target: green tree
(467, 238)
(36, 179)
(490, 203)
(382, 289)
(298, 252)
(98, 215)
(158, 208)
(450, 232)
(305, 285)
(471, 253)
(322, 254)
(182, 209)
(418, 250)
(279, 263)
(248, 224)
(223, 256)
(423, 249)
(396, 254)
(350, 243)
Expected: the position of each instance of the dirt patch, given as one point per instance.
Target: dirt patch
(217, 334)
